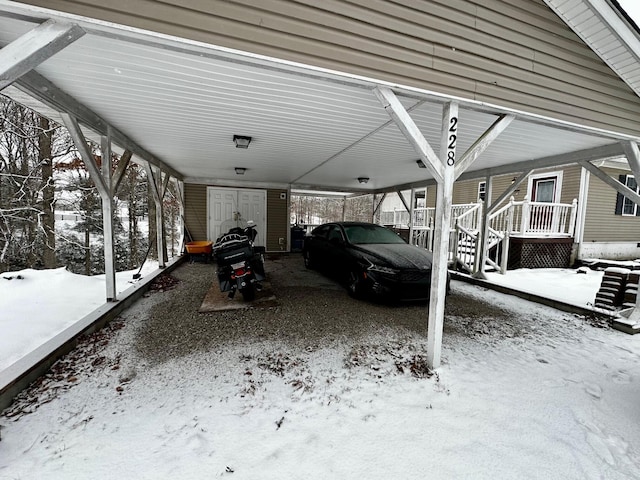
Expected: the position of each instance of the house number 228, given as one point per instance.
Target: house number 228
(451, 147)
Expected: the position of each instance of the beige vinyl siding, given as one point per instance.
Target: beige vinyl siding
(514, 53)
(195, 211)
(196, 215)
(277, 220)
(601, 224)
(570, 183)
(467, 191)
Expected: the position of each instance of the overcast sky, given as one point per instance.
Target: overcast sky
(632, 7)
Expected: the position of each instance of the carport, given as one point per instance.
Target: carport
(174, 104)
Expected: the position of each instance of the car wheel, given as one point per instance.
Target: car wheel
(308, 260)
(355, 285)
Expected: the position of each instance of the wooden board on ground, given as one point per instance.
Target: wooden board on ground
(217, 301)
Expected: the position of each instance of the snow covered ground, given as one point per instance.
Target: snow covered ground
(562, 284)
(558, 401)
(36, 305)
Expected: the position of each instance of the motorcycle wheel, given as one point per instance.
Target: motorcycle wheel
(248, 293)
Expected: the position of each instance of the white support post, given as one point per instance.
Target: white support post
(103, 181)
(412, 216)
(180, 197)
(154, 177)
(481, 250)
(524, 225)
(633, 157)
(505, 242)
(344, 208)
(107, 220)
(444, 198)
(572, 219)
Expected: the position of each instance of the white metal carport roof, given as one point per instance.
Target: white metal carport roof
(181, 102)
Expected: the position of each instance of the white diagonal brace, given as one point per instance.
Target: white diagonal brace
(165, 184)
(612, 182)
(404, 201)
(509, 191)
(85, 153)
(118, 175)
(377, 207)
(407, 126)
(482, 143)
(633, 158)
(34, 47)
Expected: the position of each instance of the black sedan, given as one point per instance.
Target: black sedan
(370, 259)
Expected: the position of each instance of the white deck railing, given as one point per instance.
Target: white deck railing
(525, 218)
(534, 219)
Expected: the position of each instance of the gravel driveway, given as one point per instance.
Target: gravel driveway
(312, 310)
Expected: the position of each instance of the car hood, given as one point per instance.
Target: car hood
(398, 255)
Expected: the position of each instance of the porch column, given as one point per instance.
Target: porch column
(490, 207)
(470, 156)
(411, 215)
(158, 188)
(445, 169)
(633, 157)
(107, 219)
(103, 181)
(444, 199)
(481, 250)
(180, 195)
(436, 167)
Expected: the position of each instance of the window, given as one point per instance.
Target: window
(545, 187)
(482, 190)
(544, 190)
(624, 206)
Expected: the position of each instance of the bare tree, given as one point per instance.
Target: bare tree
(26, 188)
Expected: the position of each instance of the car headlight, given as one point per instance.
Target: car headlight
(380, 269)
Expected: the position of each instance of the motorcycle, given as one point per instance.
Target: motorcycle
(240, 263)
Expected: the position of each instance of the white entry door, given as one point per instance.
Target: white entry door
(233, 207)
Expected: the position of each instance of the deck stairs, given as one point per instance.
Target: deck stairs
(523, 218)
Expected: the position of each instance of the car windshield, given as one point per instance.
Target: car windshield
(367, 234)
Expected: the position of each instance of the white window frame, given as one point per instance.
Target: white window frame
(558, 193)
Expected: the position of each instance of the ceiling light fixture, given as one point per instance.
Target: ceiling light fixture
(420, 164)
(241, 142)
(363, 179)
(240, 170)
